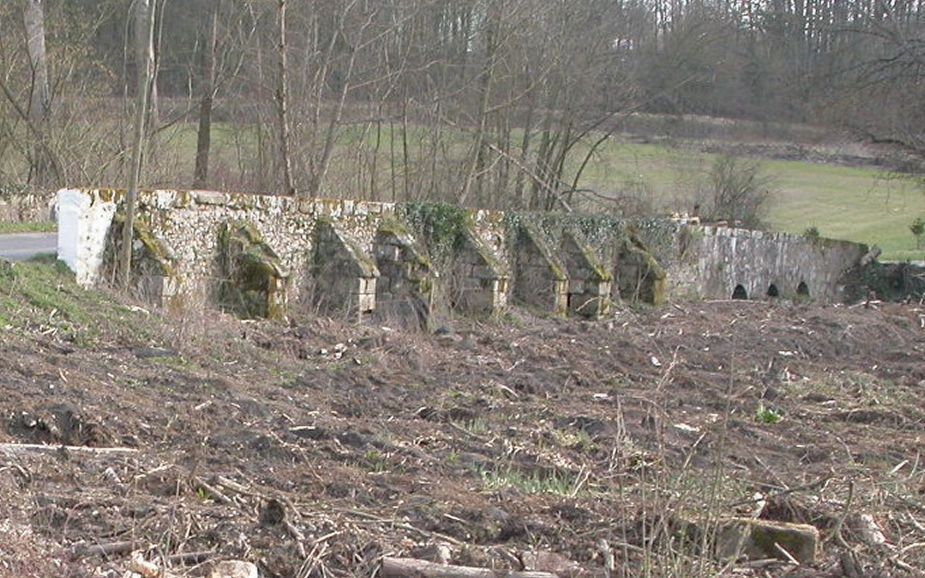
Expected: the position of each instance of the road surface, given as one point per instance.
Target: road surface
(22, 246)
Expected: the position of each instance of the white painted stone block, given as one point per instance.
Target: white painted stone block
(83, 225)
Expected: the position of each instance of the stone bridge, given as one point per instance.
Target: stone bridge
(262, 255)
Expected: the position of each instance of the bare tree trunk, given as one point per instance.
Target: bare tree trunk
(321, 170)
(144, 56)
(525, 152)
(207, 90)
(477, 170)
(282, 104)
(40, 101)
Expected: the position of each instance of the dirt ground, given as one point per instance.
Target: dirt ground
(315, 448)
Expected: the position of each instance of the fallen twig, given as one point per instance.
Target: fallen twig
(810, 486)
(840, 522)
(189, 558)
(84, 550)
(214, 492)
(403, 526)
(786, 554)
(14, 449)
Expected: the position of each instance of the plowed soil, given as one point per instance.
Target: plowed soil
(314, 448)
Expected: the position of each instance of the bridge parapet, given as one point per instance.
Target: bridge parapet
(361, 256)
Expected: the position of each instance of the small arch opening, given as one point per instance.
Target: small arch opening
(739, 292)
(803, 289)
(772, 291)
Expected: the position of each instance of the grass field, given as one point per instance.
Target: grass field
(853, 203)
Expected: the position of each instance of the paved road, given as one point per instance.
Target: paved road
(22, 246)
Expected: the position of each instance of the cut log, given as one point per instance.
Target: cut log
(413, 568)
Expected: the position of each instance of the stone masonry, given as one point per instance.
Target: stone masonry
(370, 258)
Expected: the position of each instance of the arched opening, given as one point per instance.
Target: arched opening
(802, 289)
(739, 292)
(772, 291)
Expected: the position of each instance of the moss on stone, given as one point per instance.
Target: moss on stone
(366, 265)
(182, 199)
(648, 284)
(242, 202)
(254, 279)
(147, 248)
(391, 226)
(527, 233)
(445, 228)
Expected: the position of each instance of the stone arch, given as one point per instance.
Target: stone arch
(739, 292)
(803, 289)
(773, 291)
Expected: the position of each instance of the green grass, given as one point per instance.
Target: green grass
(857, 204)
(15, 228)
(555, 483)
(41, 295)
(852, 203)
(767, 415)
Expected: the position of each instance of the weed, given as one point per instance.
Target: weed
(812, 233)
(42, 294)
(556, 482)
(375, 461)
(476, 426)
(579, 440)
(917, 228)
(767, 415)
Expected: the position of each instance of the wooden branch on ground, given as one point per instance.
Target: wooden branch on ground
(85, 550)
(413, 568)
(213, 492)
(190, 558)
(41, 448)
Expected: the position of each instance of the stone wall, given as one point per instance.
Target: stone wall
(708, 262)
(368, 257)
(27, 208)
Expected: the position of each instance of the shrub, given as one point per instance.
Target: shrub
(740, 191)
(918, 229)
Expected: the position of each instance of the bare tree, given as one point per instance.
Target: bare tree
(41, 166)
(206, 96)
(144, 57)
(282, 102)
